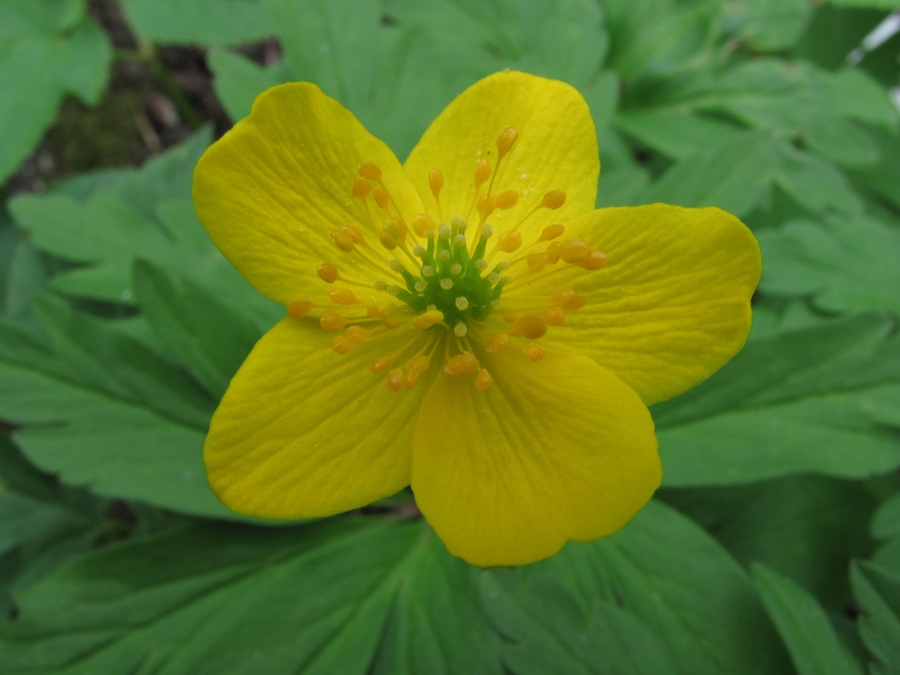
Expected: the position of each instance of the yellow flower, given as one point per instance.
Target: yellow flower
(465, 323)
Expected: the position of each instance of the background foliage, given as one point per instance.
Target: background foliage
(773, 546)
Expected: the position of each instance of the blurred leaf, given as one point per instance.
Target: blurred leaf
(878, 594)
(814, 183)
(873, 4)
(675, 579)
(675, 134)
(203, 332)
(805, 527)
(886, 522)
(884, 177)
(769, 25)
(844, 264)
(622, 187)
(327, 598)
(550, 633)
(804, 626)
(238, 80)
(204, 22)
(819, 399)
(47, 49)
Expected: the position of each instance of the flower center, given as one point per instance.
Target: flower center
(442, 279)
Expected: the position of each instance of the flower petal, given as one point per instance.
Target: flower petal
(556, 149)
(304, 432)
(554, 450)
(271, 190)
(672, 306)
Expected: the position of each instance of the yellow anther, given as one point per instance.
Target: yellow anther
(299, 308)
(361, 188)
(497, 343)
(486, 205)
(328, 273)
(436, 182)
(507, 199)
(390, 235)
(482, 172)
(359, 334)
(343, 344)
(566, 298)
(505, 141)
(416, 367)
(536, 262)
(553, 199)
(595, 260)
(342, 296)
(380, 364)
(343, 240)
(483, 380)
(427, 319)
(332, 321)
(355, 233)
(509, 241)
(551, 232)
(512, 317)
(552, 252)
(371, 171)
(461, 363)
(574, 250)
(422, 223)
(529, 326)
(534, 352)
(382, 197)
(553, 316)
(395, 380)
(392, 321)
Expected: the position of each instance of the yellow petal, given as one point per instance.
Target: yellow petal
(672, 306)
(554, 450)
(272, 189)
(304, 432)
(556, 149)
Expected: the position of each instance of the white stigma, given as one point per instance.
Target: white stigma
(427, 271)
(493, 278)
(455, 268)
(487, 231)
(395, 265)
(380, 286)
(393, 289)
(459, 240)
(460, 329)
(481, 264)
(444, 255)
(446, 283)
(502, 267)
(419, 251)
(461, 303)
(446, 231)
(421, 286)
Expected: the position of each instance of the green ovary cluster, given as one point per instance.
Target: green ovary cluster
(451, 279)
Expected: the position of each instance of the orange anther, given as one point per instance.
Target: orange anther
(390, 235)
(482, 172)
(594, 261)
(566, 298)
(327, 273)
(486, 205)
(342, 296)
(343, 240)
(371, 171)
(529, 326)
(553, 199)
(534, 352)
(509, 241)
(461, 363)
(507, 199)
(416, 367)
(553, 316)
(551, 232)
(574, 250)
(380, 364)
(435, 181)
(382, 197)
(355, 233)
(361, 188)
(483, 380)
(299, 308)
(395, 380)
(391, 320)
(497, 343)
(332, 321)
(427, 319)
(505, 141)
(422, 223)
(343, 344)
(537, 262)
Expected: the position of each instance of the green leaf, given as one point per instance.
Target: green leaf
(804, 626)
(844, 264)
(886, 522)
(327, 598)
(47, 49)
(814, 184)
(884, 177)
(678, 581)
(550, 633)
(204, 22)
(872, 4)
(206, 334)
(238, 80)
(675, 134)
(769, 25)
(819, 399)
(878, 594)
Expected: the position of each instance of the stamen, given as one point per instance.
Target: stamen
(343, 240)
(420, 286)
(553, 199)
(462, 303)
(436, 182)
(444, 256)
(459, 241)
(371, 171)
(395, 380)
(355, 233)
(342, 296)
(497, 343)
(390, 235)
(427, 271)
(505, 142)
(327, 273)
(507, 199)
(530, 327)
(380, 364)
(534, 352)
(553, 316)
(455, 269)
(419, 251)
(462, 363)
(422, 223)
(460, 329)
(566, 298)
(509, 241)
(361, 188)
(299, 308)
(417, 365)
(551, 232)
(332, 321)
(427, 319)
(483, 380)
(574, 250)
(446, 283)
(595, 260)
(481, 264)
(343, 344)
(381, 197)
(482, 173)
